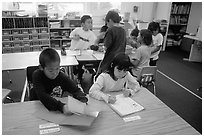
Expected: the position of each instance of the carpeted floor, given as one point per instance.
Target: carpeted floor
(189, 75)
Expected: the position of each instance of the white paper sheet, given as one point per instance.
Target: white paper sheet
(125, 105)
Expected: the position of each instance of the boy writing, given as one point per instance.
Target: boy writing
(49, 82)
(83, 37)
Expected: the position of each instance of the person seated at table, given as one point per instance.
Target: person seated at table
(133, 38)
(82, 37)
(115, 78)
(49, 82)
(141, 56)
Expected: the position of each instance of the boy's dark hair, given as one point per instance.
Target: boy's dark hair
(153, 26)
(84, 18)
(122, 61)
(48, 55)
(114, 16)
(135, 32)
(146, 36)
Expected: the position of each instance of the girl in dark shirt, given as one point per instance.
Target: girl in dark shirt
(114, 41)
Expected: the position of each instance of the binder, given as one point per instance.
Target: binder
(125, 106)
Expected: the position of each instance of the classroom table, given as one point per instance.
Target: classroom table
(15, 61)
(156, 119)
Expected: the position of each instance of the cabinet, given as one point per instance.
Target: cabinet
(179, 15)
(20, 34)
(60, 30)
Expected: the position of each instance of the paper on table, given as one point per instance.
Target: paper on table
(62, 119)
(125, 105)
(77, 107)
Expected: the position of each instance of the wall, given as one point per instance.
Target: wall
(145, 10)
(194, 17)
(162, 11)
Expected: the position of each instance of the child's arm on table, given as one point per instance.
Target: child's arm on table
(95, 91)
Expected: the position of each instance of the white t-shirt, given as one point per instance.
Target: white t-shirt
(81, 44)
(105, 84)
(157, 41)
(143, 55)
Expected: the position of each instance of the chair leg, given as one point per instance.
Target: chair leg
(154, 88)
(10, 99)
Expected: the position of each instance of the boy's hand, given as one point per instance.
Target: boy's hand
(127, 92)
(81, 97)
(66, 110)
(111, 99)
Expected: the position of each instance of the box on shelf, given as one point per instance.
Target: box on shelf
(25, 31)
(36, 48)
(66, 23)
(6, 38)
(17, 49)
(17, 44)
(43, 30)
(7, 49)
(16, 32)
(26, 48)
(35, 42)
(34, 31)
(54, 24)
(45, 42)
(44, 36)
(6, 32)
(75, 23)
(25, 37)
(26, 43)
(6, 44)
(35, 37)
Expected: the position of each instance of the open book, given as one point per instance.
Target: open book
(125, 105)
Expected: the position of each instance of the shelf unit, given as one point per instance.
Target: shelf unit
(21, 34)
(60, 30)
(178, 22)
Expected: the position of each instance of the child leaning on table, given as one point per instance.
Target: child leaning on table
(50, 82)
(82, 37)
(115, 78)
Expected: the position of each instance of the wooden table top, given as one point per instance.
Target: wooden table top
(156, 118)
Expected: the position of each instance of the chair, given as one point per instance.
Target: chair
(6, 84)
(28, 83)
(147, 77)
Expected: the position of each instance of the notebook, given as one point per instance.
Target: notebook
(125, 105)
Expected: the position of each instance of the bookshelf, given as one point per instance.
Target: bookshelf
(178, 22)
(60, 30)
(21, 34)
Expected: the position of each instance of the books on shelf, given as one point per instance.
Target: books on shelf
(180, 8)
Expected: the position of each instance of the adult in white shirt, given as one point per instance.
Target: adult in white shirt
(83, 37)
